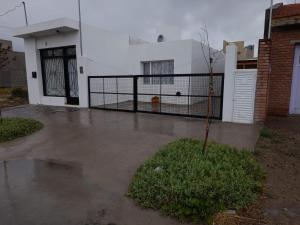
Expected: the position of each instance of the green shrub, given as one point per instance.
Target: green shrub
(12, 128)
(182, 182)
(19, 93)
(266, 133)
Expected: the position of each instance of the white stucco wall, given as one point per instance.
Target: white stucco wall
(104, 53)
(32, 65)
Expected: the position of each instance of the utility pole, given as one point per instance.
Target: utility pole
(25, 12)
(80, 26)
(270, 20)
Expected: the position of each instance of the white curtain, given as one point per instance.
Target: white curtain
(162, 68)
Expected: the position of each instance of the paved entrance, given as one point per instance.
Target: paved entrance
(78, 168)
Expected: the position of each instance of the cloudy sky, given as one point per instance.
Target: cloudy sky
(225, 19)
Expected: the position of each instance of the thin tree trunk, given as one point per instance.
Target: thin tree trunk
(209, 111)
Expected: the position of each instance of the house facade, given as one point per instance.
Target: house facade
(60, 56)
(278, 84)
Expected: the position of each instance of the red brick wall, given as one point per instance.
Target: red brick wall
(263, 68)
(282, 60)
(286, 11)
(274, 87)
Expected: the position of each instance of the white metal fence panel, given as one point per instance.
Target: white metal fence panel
(244, 96)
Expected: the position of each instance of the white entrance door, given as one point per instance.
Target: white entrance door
(295, 95)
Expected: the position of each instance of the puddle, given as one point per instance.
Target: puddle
(49, 193)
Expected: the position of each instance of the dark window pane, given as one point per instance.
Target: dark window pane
(58, 52)
(47, 53)
(71, 51)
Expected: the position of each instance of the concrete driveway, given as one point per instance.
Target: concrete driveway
(76, 170)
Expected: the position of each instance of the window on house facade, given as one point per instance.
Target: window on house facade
(158, 68)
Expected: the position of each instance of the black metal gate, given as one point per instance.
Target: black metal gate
(176, 94)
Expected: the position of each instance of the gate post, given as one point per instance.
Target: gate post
(89, 91)
(135, 91)
(230, 68)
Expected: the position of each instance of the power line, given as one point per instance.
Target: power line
(11, 10)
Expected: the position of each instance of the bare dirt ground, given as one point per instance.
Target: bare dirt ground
(279, 155)
(7, 101)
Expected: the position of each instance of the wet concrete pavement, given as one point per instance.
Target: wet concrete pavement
(77, 169)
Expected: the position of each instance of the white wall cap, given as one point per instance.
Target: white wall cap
(61, 25)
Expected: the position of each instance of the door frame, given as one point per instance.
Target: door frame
(65, 57)
(295, 81)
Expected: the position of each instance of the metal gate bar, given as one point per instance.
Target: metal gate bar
(172, 94)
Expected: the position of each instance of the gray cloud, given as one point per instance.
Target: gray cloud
(225, 19)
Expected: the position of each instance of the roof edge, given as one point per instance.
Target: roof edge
(32, 29)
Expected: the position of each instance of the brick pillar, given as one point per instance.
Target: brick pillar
(262, 85)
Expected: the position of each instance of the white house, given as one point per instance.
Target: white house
(60, 56)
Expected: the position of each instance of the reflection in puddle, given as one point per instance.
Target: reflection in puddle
(49, 193)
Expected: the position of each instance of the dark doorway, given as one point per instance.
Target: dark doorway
(59, 70)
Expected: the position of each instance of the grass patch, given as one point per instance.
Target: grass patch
(266, 133)
(182, 182)
(12, 128)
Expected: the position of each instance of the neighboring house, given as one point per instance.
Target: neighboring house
(12, 71)
(59, 59)
(278, 84)
(245, 55)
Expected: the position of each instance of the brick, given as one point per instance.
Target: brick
(263, 67)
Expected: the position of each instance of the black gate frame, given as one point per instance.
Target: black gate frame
(135, 93)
